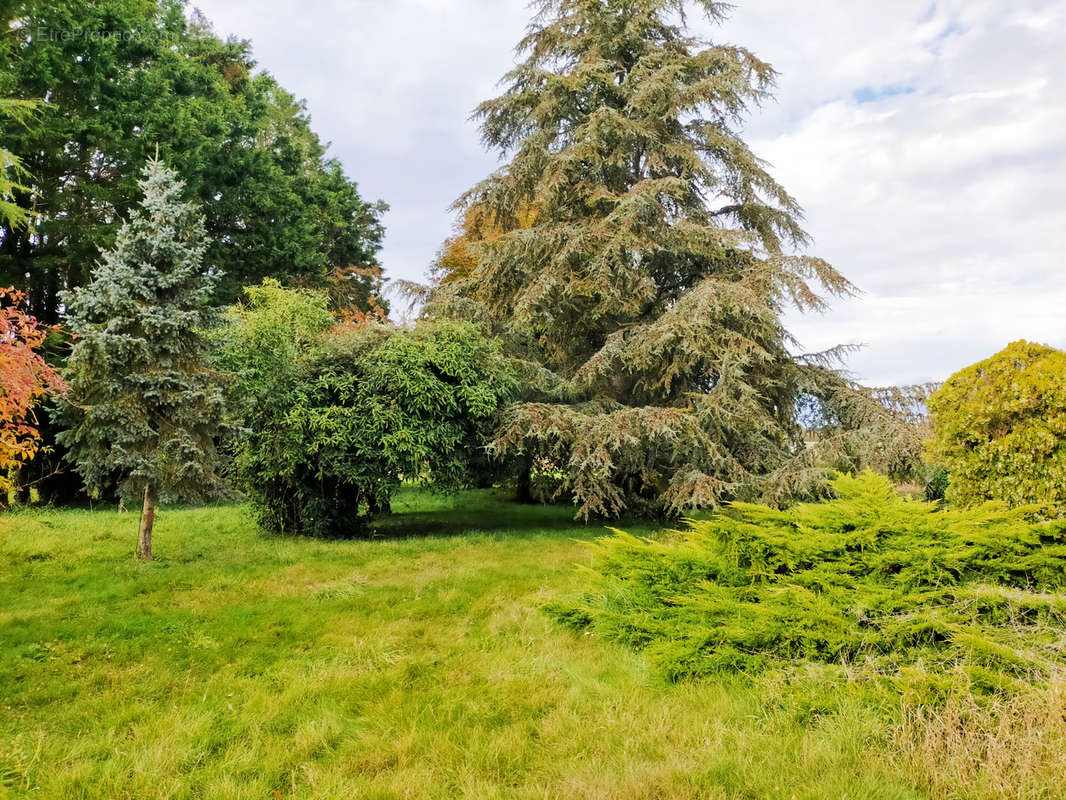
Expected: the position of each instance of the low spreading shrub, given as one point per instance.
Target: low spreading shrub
(893, 588)
(1000, 429)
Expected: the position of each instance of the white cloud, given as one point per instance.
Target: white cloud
(927, 142)
(945, 203)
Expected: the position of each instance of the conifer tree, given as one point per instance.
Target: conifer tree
(144, 409)
(647, 293)
(12, 171)
(152, 73)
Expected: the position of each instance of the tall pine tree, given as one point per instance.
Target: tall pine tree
(144, 409)
(647, 294)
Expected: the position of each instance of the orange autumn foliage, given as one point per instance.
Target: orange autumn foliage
(25, 377)
(351, 296)
(458, 257)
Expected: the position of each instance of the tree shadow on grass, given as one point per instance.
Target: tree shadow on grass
(424, 524)
(485, 512)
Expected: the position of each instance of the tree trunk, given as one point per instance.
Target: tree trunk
(147, 521)
(525, 479)
(12, 485)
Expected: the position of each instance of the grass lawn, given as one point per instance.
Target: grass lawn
(415, 665)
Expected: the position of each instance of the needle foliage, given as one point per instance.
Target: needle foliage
(638, 257)
(145, 407)
(892, 588)
(119, 80)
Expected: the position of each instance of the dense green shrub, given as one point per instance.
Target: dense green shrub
(1000, 429)
(266, 335)
(872, 580)
(366, 407)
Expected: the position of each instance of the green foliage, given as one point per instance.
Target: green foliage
(263, 337)
(665, 376)
(124, 77)
(241, 667)
(371, 405)
(887, 586)
(417, 665)
(144, 408)
(12, 173)
(936, 483)
(1000, 429)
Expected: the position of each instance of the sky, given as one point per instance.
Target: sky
(925, 140)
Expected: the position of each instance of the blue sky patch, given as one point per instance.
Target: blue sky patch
(871, 94)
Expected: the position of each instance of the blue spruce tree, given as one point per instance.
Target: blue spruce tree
(145, 409)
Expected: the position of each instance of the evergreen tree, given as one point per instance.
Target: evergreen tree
(999, 428)
(12, 172)
(121, 78)
(144, 410)
(638, 256)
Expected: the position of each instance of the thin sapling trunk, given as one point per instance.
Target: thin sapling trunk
(147, 523)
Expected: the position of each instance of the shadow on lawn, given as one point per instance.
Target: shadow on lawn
(485, 512)
(421, 524)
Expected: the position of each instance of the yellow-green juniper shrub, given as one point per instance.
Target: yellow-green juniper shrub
(1000, 429)
(890, 587)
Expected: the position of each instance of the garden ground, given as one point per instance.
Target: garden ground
(414, 665)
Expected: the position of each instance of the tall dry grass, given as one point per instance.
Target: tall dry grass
(1012, 749)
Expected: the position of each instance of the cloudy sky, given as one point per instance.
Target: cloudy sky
(926, 141)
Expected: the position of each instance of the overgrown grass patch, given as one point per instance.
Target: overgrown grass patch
(419, 665)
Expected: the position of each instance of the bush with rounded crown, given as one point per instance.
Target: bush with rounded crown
(1000, 429)
(368, 407)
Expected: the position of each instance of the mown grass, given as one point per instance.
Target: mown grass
(414, 665)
